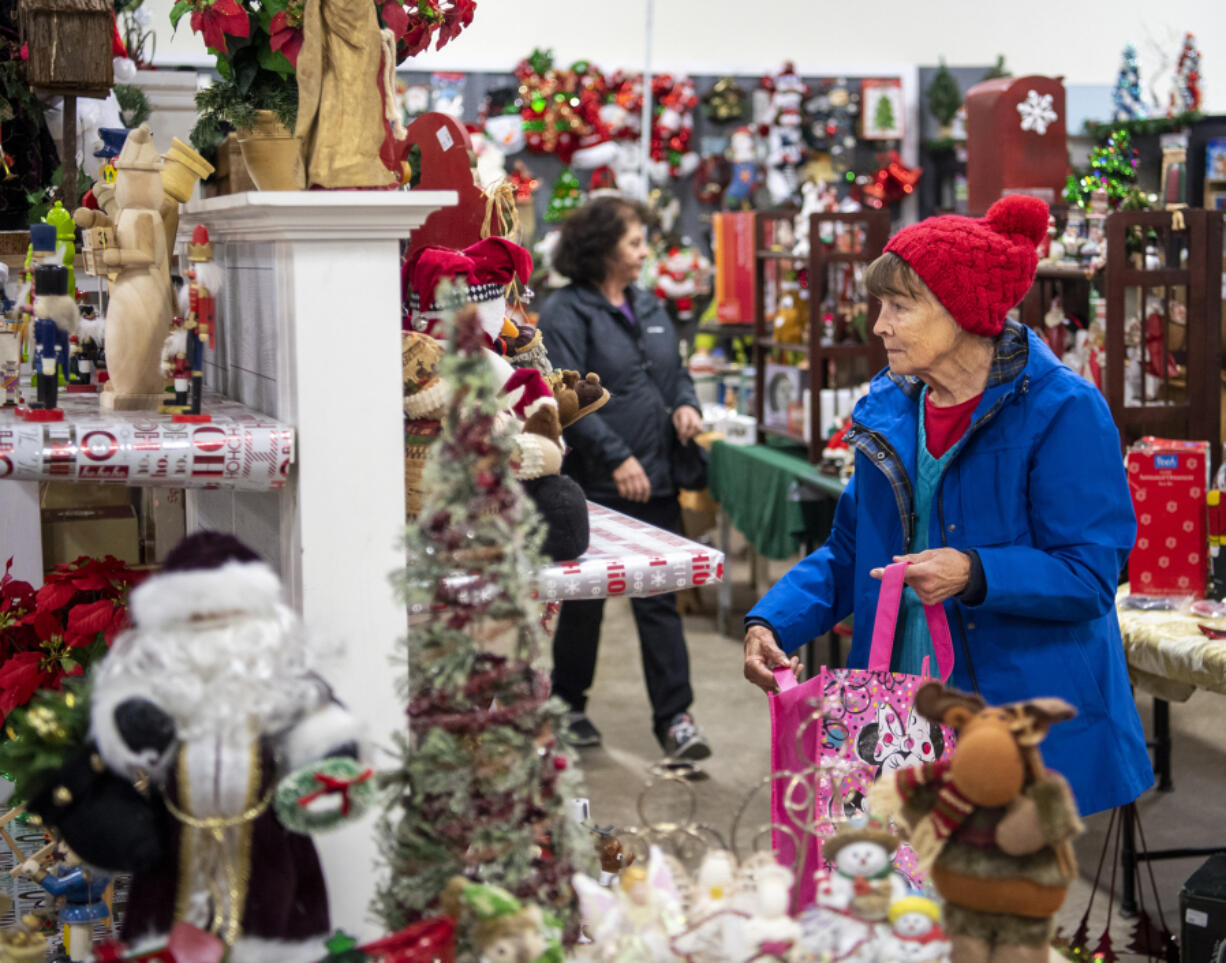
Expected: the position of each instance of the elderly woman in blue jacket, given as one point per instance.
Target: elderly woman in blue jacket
(995, 472)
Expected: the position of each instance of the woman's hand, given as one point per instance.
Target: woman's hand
(762, 655)
(687, 422)
(936, 575)
(632, 482)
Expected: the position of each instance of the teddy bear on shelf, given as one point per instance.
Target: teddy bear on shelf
(992, 825)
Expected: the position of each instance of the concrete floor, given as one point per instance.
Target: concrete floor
(735, 718)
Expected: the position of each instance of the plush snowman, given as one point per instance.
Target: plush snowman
(770, 932)
(863, 882)
(915, 932)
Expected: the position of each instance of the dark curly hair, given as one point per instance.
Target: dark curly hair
(590, 234)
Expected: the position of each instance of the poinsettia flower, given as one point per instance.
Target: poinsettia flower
(86, 621)
(21, 676)
(214, 19)
(458, 16)
(394, 18)
(285, 37)
(416, 37)
(54, 595)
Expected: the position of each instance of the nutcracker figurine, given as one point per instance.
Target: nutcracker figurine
(181, 372)
(55, 320)
(81, 894)
(203, 283)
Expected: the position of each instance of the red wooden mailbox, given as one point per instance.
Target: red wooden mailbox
(1016, 140)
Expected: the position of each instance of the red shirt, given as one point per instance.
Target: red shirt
(944, 427)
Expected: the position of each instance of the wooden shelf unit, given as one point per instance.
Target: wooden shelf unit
(1186, 407)
(822, 359)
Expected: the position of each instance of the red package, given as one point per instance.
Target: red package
(1168, 480)
(735, 280)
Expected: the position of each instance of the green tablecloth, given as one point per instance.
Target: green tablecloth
(756, 485)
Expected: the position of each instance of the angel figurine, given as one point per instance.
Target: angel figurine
(636, 922)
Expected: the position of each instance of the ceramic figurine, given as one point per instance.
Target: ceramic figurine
(138, 316)
(915, 932)
(770, 933)
(992, 825)
(81, 892)
(55, 320)
(636, 923)
(864, 882)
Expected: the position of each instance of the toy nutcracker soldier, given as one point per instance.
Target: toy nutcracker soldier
(55, 319)
(80, 893)
(203, 282)
(181, 371)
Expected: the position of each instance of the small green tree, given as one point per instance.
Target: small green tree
(883, 115)
(944, 96)
(1000, 70)
(566, 196)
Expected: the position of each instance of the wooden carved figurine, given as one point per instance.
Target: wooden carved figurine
(140, 309)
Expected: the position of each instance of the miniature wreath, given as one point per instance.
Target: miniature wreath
(339, 776)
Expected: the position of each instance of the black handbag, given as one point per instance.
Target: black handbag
(689, 465)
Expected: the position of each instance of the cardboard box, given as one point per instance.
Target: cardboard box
(735, 280)
(94, 520)
(1168, 481)
(1202, 913)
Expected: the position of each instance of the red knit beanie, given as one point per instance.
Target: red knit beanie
(978, 268)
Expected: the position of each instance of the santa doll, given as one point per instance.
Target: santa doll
(204, 715)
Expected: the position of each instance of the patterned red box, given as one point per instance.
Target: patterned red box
(735, 277)
(1168, 480)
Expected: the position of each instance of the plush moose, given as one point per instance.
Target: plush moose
(991, 824)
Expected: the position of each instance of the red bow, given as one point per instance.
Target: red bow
(330, 784)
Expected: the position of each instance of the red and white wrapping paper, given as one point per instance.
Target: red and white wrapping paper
(240, 449)
(629, 557)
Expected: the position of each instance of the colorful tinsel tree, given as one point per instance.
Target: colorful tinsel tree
(1185, 94)
(1126, 96)
(483, 785)
(566, 196)
(1113, 169)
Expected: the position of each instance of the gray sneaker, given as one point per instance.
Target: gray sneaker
(684, 739)
(580, 732)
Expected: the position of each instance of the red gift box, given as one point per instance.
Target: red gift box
(1168, 481)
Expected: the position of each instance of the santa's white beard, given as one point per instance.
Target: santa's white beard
(218, 679)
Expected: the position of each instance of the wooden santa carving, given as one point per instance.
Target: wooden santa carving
(1016, 140)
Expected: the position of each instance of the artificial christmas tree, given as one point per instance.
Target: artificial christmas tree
(883, 116)
(944, 98)
(566, 196)
(1185, 94)
(483, 786)
(1113, 168)
(1127, 93)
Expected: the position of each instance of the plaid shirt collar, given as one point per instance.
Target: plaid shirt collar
(1008, 362)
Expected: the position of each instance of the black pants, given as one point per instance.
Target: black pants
(666, 663)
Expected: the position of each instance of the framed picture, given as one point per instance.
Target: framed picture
(881, 109)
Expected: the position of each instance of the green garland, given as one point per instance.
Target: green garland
(1144, 126)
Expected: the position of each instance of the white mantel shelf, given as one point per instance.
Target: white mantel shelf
(315, 215)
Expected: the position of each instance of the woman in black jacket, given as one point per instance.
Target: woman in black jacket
(621, 454)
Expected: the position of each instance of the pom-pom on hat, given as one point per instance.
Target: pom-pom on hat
(978, 268)
(206, 576)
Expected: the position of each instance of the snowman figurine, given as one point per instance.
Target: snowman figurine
(915, 932)
(770, 932)
(863, 882)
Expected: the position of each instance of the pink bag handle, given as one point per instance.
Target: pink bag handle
(888, 604)
(785, 677)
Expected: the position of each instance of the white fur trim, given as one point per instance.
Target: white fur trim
(429, 401)
(492, 314)
(105, 698)
(251, 950)
(170, 598)
(545, 401)
(502, 371)
(318, 733)
(534, 456)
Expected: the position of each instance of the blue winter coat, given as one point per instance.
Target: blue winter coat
(1037, 487)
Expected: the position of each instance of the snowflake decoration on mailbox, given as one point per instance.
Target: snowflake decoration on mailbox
(1037, 112)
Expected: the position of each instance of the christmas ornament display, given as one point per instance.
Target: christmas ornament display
(784, 119)
(726, 102)
(672, 124)
(1113, 170)
(561, 109)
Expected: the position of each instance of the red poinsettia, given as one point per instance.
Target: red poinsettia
(215, 19)
(417, 22)
(60, 629)
(285, 31)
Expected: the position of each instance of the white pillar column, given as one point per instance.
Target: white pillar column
(329, 297)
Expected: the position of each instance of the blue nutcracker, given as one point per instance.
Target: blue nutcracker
(80, 894)
(55, 320)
